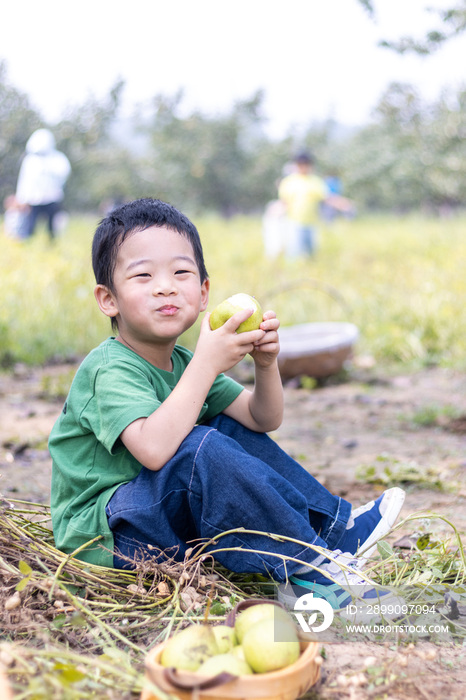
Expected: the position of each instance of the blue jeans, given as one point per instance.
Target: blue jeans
(301, 240)
(48, 211)
(224, 477)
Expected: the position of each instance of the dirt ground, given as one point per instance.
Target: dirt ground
(415, 424)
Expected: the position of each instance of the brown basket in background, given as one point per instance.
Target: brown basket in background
(288, 683)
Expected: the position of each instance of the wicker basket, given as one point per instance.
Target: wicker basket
(286, 684)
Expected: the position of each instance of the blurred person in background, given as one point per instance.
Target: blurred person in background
(14, 218)
(41, 181)
(303, 192)
(335, 186)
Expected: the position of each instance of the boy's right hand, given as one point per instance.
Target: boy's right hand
(223, 348)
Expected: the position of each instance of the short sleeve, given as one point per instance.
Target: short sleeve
(122, 394)
(222, 393)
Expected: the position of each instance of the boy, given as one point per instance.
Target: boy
(156, 447)
(303, 192)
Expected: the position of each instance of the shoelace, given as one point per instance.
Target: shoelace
(346, 576)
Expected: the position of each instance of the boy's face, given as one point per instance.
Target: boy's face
(158, 291)
(303, 168)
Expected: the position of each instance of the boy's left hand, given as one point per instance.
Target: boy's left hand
(266, 350)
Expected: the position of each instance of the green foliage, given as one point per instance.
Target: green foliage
(103, 169)
(390, 471)
(450, 22)
(221, 163)
(411, 156)
(47, 302)
(17, 121)
(433, 415)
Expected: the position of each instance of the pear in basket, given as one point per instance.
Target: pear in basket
(248, 617)
(229, 663)
(190, 648)
(226, 638)
(270, 645)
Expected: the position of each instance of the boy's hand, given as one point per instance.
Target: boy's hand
(223, 348)
(262, 408)
(267, 348)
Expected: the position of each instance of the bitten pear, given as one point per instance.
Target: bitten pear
(190, 648)
(226, 309)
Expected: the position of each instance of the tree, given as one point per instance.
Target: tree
(413, 155)
(218, 163)
(387, 171)
(102, 168)
(452, 22)
(18, 120)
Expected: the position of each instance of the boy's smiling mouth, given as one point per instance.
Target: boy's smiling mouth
(167, 310)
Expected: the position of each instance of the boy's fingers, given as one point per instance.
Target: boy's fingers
(234, 322)
(270, 321)
(272, 325)
(269, 314)
(238, 318)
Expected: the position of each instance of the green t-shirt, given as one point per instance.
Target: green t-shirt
(112, 388)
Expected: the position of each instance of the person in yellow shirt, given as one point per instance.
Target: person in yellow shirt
(302, 192)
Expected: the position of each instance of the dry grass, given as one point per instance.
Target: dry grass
(78, 629)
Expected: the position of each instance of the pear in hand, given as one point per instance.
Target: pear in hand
(226, 309)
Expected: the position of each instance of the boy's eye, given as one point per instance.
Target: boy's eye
(142, 274)
(182, 272)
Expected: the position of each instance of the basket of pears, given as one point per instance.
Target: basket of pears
(256, 653)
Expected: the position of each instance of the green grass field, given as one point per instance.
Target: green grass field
(401, 281)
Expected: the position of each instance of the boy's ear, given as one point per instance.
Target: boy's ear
(205, 287)
(106, 301)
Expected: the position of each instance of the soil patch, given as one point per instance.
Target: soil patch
(357, 437)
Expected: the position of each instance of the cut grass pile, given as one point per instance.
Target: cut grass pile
(73, 630)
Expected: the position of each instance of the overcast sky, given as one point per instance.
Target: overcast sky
(313, 58)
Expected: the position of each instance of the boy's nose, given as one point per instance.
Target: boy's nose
(164, 287)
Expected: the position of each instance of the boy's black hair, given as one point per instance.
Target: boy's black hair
(130, 218)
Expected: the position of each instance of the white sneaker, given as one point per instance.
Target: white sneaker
(354, 597)
(372, 521)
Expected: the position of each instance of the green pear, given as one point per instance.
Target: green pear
(239, 652)
(225, 662)
(189, 648)
(225, 636)
(270, 645)
(226, 309)
(248, 617)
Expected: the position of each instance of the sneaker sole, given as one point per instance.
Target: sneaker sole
(395, 497)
